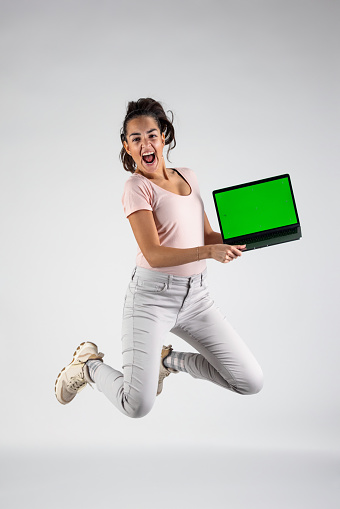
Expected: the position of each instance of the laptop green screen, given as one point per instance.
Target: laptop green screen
(256, 207)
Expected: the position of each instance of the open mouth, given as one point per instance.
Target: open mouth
(149, 157)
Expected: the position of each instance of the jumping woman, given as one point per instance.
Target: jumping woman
(168, 290)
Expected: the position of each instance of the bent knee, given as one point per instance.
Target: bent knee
(254, 384)
(140, 409)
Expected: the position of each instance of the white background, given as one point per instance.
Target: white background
(254, 87)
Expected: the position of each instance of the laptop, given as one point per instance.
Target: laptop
(258, 214)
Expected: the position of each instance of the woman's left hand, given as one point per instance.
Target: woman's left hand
(233, 252)
(224, 253)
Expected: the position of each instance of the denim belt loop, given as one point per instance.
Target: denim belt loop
(133, 273)
(170, 277)
(201, 278)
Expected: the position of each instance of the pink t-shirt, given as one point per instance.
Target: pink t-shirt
(179, 219)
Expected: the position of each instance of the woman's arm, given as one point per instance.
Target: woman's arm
(145, 232)
(210, 237)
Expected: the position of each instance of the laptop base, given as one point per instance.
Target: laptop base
(265, 240)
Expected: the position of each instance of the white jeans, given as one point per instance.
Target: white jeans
(156, 303)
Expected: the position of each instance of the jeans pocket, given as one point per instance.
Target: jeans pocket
(129, 294)
(146, 286)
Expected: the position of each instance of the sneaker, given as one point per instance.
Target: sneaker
(164, 371)
(75, 376)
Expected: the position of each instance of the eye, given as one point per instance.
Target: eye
(135, 139)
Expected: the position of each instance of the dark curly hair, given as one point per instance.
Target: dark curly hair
(150, 108)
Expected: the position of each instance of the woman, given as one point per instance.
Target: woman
(168, 288)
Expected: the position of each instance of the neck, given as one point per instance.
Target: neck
(160, 174)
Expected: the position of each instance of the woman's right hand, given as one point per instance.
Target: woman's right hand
(225, 253)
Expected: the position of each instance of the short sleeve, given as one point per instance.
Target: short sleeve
(137, 196)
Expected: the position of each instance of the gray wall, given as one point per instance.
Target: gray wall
(254, 89)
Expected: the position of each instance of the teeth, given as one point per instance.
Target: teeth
(148, 153)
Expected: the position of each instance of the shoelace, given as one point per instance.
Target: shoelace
(78, 382)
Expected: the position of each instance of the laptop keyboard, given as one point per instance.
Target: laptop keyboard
(267, 236)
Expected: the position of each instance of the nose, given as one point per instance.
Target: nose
(145, 143)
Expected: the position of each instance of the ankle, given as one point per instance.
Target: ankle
(90, 369)
(175, 361)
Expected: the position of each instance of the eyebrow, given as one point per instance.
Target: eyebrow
(147, 132)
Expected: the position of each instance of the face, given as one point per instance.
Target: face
(145, 144)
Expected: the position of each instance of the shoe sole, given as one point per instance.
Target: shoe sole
(166, 350)
(74, 357)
